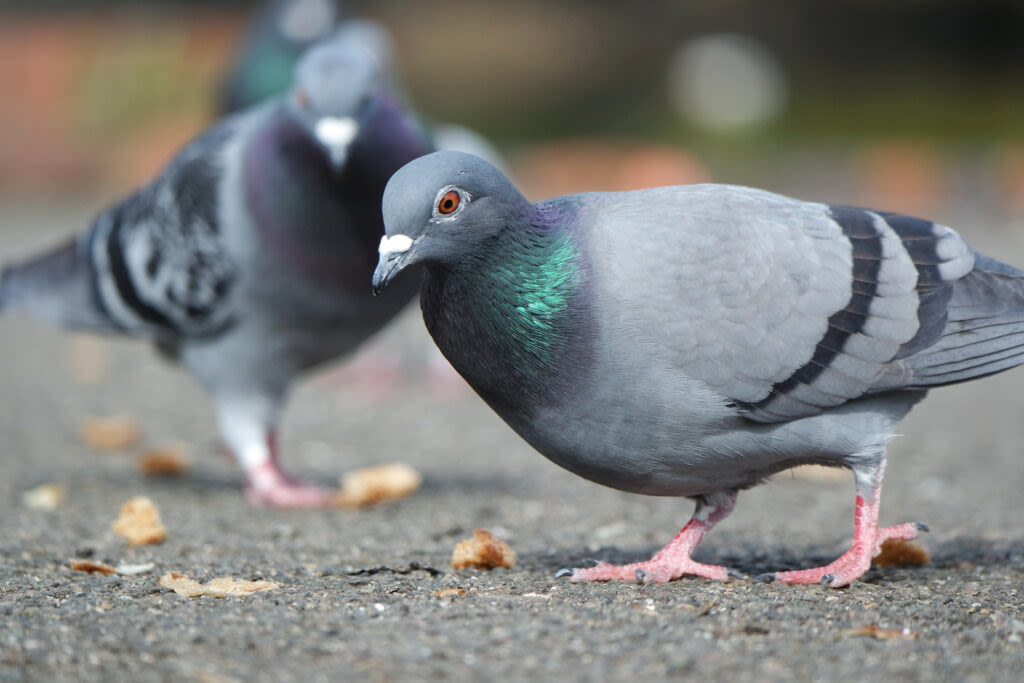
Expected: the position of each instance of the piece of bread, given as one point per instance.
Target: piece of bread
(373, 485)
(164, 461)
(482, 551)
(220, 587)
(140, 523)
(110, 433)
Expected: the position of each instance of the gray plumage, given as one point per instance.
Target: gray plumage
(693, 340)
(247, 258)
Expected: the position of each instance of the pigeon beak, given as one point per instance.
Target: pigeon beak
(336, 135)
(394, 255)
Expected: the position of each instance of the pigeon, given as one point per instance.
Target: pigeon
(247, 259)
(283, 29)
(279, 34)
(694, 340)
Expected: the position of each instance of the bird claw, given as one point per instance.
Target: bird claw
(827, 579)
(735, 573)
(641, 576)
(565, 571)
(921, 526)
(767, 577)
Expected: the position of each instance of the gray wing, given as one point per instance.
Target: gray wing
(160, 261)
(983, 334)
(784, 308)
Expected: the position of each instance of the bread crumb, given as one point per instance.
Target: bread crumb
(483, 551)
(44, 497)
(449, 592)
(170, 460)
(878, 633)
(139, 522)
(91, 567)
(896, 552)
(373, 485)
(113, 433)
(220, 587)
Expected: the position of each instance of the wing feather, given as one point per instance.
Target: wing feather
(785, 308)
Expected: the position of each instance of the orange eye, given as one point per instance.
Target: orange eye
(448, 202)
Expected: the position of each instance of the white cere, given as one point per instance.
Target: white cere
(396, 244)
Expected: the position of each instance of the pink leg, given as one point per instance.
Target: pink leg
(673, 560)
(267, 484)
(867, 542)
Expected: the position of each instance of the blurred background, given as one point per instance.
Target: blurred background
(915, 106)
(909, 105)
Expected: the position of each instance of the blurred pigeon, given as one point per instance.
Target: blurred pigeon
(248, 258)
(284, 28)
(280, 32)
(458, 138)
(694, 340)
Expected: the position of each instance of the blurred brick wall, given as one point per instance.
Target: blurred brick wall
(102, 99)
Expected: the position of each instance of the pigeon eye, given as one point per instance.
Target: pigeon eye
(302, 98)
(448, 202)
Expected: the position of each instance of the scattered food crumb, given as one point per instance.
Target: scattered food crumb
(220, 587)
(449, 592)
(140, 522)
(45, 497)
(899, 553)
(483, 551)
(170, 460)
(874, 631)
(110, 433)
(91, 567)
(378, 484)
(134, 569)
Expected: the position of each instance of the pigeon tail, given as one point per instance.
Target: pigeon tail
(56, 286)
(984, 333)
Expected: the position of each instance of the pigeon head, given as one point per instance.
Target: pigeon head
(440, 210)
(337, 87)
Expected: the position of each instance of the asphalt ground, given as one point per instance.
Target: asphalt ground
(363, 594)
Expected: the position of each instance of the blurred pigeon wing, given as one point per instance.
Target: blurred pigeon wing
(161, 264)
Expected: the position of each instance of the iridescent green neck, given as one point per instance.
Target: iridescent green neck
(539, 278)
(513, 317)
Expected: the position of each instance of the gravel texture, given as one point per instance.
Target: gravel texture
(363, 594)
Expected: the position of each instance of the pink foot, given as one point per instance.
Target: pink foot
(655, 570)
(270, 487)
(672, 561)
(851, 565)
